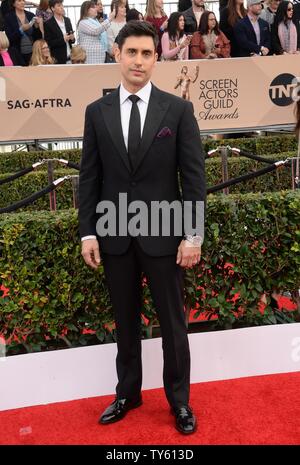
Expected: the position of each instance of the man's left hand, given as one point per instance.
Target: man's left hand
(188, 255)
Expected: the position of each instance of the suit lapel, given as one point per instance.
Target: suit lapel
(157, 108)
(112, 117)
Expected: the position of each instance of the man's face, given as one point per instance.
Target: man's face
(255, 9)
(137, 59)
(58, 9)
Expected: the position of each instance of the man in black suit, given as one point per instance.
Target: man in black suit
(136, 139)
(252, 33)
(59, 33)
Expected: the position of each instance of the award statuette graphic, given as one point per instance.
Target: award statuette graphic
(184, 81)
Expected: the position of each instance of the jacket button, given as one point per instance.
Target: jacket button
(133, 183)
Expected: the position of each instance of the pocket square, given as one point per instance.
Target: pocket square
(164, 132)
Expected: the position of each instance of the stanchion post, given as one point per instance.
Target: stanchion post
(224, 157)
(75, 185)
(52, 194)
(293, 174)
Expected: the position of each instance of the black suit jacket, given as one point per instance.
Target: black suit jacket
(246, 38)
(105, 169)
(11, 27)
(55, 39)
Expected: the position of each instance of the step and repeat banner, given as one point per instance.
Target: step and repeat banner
(48, 102)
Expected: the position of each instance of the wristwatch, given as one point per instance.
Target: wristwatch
(197, 241)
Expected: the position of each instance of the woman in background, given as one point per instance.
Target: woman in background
(285, 32)
(41, 54)
(22, 29)
(44, 11)
(90, 31)
(209, 41)
(229, 16)
(9, 56)
(120, 7)
(174, 42)
(157, 17)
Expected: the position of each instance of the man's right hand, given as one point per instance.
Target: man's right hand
(90, 252)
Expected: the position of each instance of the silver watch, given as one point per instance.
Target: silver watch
(197, 241)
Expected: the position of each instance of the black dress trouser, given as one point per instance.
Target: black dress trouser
(165, 278)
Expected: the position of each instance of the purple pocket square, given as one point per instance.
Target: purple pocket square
(164, 132)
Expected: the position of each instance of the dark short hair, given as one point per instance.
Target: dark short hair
(137, 28)
(133, 14)
(52, 3)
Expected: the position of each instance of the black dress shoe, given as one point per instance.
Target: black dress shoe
(185, 420)
(118, 409)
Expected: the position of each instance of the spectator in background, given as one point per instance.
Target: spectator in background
(222, 4)
(90, 31)
(157, 17)
(9, 56)
(174, 42)
(22, 29)
(192, 16)
(101, 16)
(268, 13)
(229, 16)
(78, 55)
(133, 14)
(209, 41)
(120, 7)
(59, 33)
(252, 33)
(184, 5)
(41, 54)
(285, 33)
(6, 6)
(44, 10)
(297, 11)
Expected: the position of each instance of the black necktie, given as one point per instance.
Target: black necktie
(134, 132)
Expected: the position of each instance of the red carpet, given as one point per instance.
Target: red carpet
(256, 410)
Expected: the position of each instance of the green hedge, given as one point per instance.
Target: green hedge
(251, 247)
(12, 162)
(35, 181)
(262, 145)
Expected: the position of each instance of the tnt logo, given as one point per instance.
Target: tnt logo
(2, 90)
(281, 90)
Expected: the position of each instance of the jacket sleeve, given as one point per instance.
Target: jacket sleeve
(191, 166)
(225, 46)
(90, 178)
(196, 51)
(168, 53)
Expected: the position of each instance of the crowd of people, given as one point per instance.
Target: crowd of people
(192, 32)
